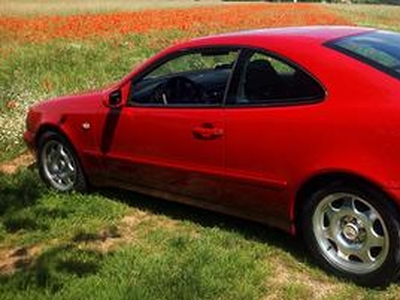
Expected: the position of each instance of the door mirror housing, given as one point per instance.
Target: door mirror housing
(114, 99)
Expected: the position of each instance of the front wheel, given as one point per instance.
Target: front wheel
(58, 164)
(353, 231)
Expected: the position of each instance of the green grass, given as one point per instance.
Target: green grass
(112, 244)
(32, 214)
(174, 268)
(377, 16)
(183, 260)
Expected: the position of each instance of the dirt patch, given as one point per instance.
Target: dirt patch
(285, 275)
(105, 240)
(126, 231)
(123, 233)
(20, 258)
(10, 167)
(112, 237)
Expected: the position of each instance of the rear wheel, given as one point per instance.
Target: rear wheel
(354, 232)
(58, 164)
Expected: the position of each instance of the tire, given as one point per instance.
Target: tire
(58, 164)
(353, 231)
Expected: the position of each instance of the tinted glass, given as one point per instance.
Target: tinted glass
(380, 49)
(268, 80)
(195, 78)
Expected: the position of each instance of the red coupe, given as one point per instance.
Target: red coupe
(298, 128)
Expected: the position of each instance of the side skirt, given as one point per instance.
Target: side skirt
(280, 223)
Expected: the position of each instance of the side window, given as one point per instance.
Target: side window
(265, 79)
(190, 79)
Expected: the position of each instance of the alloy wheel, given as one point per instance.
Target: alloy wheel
(350, 233)
(59, 165)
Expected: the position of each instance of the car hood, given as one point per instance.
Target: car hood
(74, 102)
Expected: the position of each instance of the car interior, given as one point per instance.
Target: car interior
(204, 87)
(263, 80)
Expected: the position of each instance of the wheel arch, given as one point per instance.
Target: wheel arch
(318, 181)
(48, 127)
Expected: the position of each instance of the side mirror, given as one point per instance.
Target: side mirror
(114, 99)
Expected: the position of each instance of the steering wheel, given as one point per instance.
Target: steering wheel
(178, 90)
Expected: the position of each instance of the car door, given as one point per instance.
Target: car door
(267, 113)
(170, 135)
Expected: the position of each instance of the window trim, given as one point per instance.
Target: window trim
(174, 55)
(232, 86)
(228, 103)
(363, 59)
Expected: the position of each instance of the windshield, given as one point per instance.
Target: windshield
(380, 49)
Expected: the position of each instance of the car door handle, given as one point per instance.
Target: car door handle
(207, 131)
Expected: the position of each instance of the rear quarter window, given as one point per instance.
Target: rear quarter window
(380, 49)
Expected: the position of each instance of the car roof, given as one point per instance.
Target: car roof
(280, 40)
(315, 34)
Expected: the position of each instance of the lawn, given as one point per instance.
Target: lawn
(111, 244)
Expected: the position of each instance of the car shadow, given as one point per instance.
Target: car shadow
(53, 269)
(18, 191)
(248, 229)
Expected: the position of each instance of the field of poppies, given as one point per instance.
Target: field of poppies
(193, 22)
(47, 55)
(119, 245)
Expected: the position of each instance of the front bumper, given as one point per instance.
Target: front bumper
(29, 139)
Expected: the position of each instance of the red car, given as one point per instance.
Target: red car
(298, 128)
